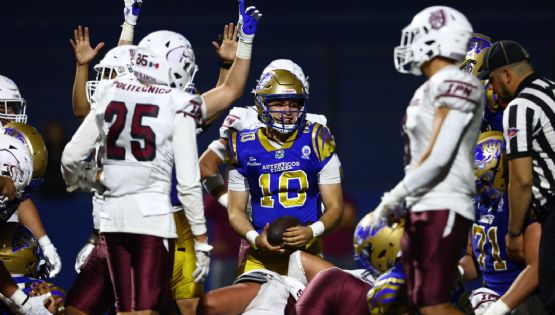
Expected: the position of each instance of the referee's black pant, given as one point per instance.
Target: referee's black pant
(547, 262)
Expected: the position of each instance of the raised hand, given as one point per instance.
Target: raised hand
(226, 51)
(131, 11)
(81, 44)
(248, 20)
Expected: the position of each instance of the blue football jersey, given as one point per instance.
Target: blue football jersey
(488, 244)
(283, 181)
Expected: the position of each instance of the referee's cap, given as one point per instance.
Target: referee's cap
(502, 53)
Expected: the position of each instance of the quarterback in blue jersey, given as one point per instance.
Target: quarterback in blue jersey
(288, 167)
(507, 284)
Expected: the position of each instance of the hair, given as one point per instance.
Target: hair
(521, 68)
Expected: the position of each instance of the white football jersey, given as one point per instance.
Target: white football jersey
(137, 125)
(459, 91)
(244, 118)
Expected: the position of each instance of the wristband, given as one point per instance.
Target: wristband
(223, 200)
(461, 270)
(44, 241)
(127, 32)
(19, 298)
(513, 235)
(317, 229)
(226, 64)
(244, 50)
(213, 181)
(251, 237)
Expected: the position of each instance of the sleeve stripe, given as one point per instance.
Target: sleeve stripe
(457, 96)
(513, 148)
(529, 127)
(461, 82)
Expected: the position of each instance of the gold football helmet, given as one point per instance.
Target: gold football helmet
(278, 85)
(19, 250)
(32, 138)
(478, 46)
(377, 248)
(489, 164)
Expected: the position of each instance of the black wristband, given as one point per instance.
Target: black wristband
(226, 64)
(513, 235)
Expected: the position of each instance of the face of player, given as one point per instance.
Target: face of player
(499, 81)
(9, 108)
(285, 111)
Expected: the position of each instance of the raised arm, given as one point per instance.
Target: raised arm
(220, 98)
(84, 54)
(131, 11)
(226, 51)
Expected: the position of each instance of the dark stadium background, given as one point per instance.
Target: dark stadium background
(344, 46)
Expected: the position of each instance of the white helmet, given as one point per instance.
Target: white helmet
(165, 57)
(16, 162)
(115, 64)
(13, 106)
(434, 31)
(286, 64)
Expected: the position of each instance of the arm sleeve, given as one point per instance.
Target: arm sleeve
(79, 148)
(443, 152)
(331, 173)
(187, 172)
(236, 181)
(518, 122)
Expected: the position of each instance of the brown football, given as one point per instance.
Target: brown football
(278, 226)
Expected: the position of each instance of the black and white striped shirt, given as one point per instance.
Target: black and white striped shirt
(529, 130)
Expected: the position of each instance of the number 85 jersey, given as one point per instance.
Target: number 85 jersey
(283, 180)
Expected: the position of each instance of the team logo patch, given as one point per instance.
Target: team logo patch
(437, 19)
(279, 154)
(512, 132)
(249, 136)
(306, 152)
(264, 80)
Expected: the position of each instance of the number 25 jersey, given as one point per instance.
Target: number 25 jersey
(283, 181)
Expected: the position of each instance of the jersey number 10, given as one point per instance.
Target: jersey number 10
(284, 199)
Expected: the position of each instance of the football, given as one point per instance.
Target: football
(278, 226)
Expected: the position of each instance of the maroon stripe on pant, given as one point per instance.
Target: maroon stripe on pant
(140, 269)
(334, 292)
(92, 291)
(429, 259)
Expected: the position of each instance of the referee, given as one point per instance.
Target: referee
(528, 128)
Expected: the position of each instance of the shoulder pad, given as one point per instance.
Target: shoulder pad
(322, 141)
(315, 118)
(457, 90)
(192, 107)
(233, 120)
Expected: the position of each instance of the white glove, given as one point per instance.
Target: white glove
(202, 254)
(498, 308)
(390, 210)
(131, 11)
(82, 256)
(51, 255)
(20, 303)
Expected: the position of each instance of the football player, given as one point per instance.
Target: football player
(14, 110)
(242, 118)
(440, 127)
(508, 285)
(164, 65)
(20, 253)
(287, 167)
(16, 174)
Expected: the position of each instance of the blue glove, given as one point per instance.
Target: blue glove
(131, 11)
(248, 19)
